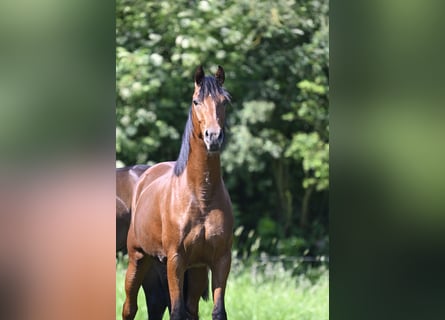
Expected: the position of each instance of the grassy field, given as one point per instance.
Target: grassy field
(256, 293)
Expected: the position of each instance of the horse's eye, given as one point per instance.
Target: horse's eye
(195, 102)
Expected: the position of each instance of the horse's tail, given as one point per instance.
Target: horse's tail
(204, 295)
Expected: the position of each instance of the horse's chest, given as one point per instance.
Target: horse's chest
(205, 235)
(206, 229)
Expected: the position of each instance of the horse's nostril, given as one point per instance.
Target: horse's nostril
(213, 135)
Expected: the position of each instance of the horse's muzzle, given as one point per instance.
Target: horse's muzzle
(213, 139)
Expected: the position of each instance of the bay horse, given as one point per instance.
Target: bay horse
(155, 284)
(182, 213)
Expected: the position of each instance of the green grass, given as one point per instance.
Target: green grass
(256, 293)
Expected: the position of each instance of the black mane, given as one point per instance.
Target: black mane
(209, 87)
(181, 162)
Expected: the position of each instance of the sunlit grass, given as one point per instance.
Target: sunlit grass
(256, 294)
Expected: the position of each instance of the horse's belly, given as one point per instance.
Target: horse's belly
(148, 231)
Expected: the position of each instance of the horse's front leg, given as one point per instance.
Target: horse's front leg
(137, 267)
(156, 291)
(175, 275)
(196, 285)
(220, 273)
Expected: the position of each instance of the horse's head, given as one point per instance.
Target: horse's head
(209, 100)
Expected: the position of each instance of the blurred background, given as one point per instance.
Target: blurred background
(58, 122)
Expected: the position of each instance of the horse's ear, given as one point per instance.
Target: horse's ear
(199, 76)
(220, 76)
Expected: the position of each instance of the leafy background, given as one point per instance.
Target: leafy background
(276, 58)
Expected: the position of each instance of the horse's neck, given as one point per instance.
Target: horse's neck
(203, 171)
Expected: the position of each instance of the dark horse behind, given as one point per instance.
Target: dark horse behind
(126, 179)
(182, 213)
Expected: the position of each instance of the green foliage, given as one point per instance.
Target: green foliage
(276, 58)
(314, 154)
